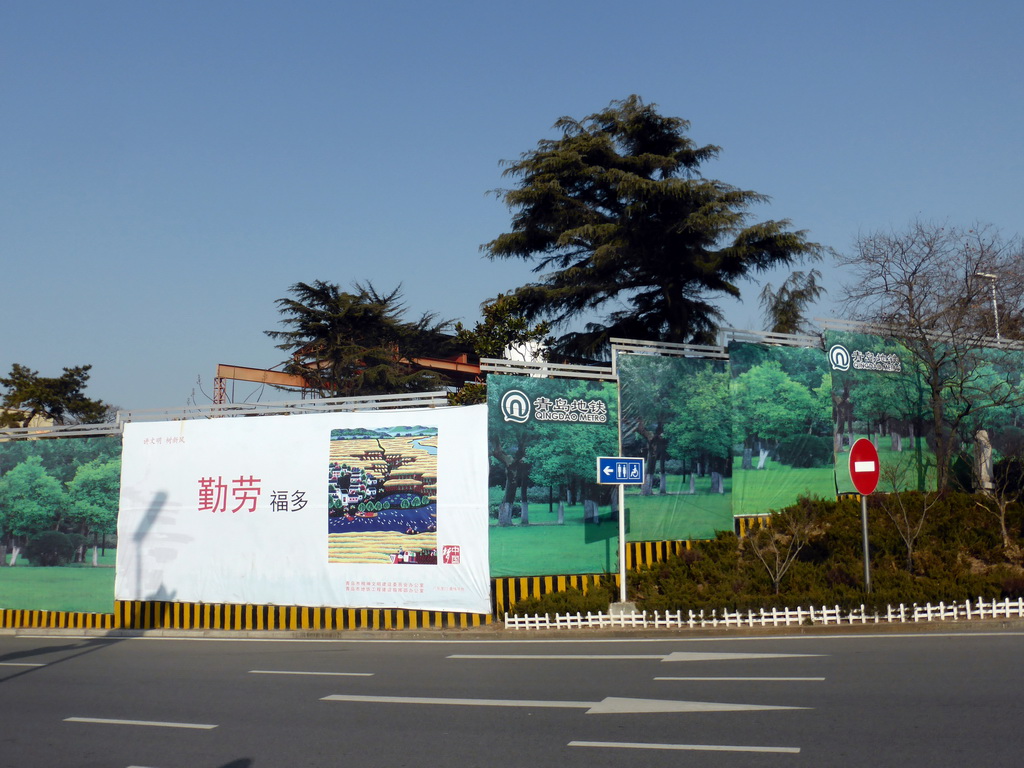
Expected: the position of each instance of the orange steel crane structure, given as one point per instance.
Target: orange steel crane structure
(458, 368)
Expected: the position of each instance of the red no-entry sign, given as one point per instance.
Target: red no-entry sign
(864, 468)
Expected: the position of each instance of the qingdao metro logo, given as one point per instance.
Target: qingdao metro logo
(515, 406)
(839, 358)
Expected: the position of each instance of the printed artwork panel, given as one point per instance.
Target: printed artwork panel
(382, 496)
(380, 509)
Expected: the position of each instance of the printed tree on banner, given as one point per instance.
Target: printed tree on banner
(986, 408)
(508, 442)
(563, 455)
(551, 453)
(768, 406)
(31, 501)
(647, 408)
(701, 432)
(94, 499)
(873, 403)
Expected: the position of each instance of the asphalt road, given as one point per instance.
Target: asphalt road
(928, 700)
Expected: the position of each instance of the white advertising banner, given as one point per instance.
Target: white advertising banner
(383, 509)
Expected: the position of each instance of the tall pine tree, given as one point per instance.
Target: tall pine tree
(359, 343)
(622, 226)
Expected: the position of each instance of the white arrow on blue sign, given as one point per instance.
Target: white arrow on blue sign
(620, 470)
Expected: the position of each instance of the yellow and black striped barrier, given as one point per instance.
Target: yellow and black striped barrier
(746, 523)
(154, 615)
(509, 590)
(148, 615)
(11, 618)
(505, 592)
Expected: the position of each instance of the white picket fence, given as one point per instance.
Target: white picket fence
(776, 617)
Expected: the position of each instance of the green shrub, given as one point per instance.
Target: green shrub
(957, 556)
(571, 601)
(51, 548)
(1008, 440)
(805, 451)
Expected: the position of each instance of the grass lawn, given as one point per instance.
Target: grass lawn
(76, 588)
(677, 515)
(544, 547)
(536, 550)
(757, 491)
(907, 459)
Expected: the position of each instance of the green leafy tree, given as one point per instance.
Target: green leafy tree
(878, 402)
(58, 399)
(620, 223)
(547, 453)
(31, 501)
(768, 405)
(94, 496)
(563, 454)
(63, 457)
(502, 328)
(647, 410)
(701, 432)
(359, 343)
(52, 548)
(508, 441)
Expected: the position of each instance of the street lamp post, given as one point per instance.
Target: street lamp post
(995, 305)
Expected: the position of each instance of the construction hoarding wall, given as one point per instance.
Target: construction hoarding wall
(58, 514)
(878, 393)
(676, 414)
(782, 426)
(370, 509)
(882, 390)
(547, 513)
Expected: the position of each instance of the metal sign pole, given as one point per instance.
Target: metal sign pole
(622, 543)
(621, 471)
(622, 487)
(864, 530)
(865, 470)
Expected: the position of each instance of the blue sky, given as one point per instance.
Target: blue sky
(168, 170)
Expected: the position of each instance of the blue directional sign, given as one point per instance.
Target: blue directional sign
(620, 470)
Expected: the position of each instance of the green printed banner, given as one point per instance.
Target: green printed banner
(898, 398)
(878, 394)
(676, 415)
(58, 514)
(782, 426)
(548, 515)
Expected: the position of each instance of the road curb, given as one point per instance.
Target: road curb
(497, 632)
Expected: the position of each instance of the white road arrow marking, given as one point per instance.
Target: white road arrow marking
(324, 674)
(746, 679)
(685, 747)
(154, 723)
(559, 657)
(611, 705)
(688, 656)
(677, 656)
(614, 705)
